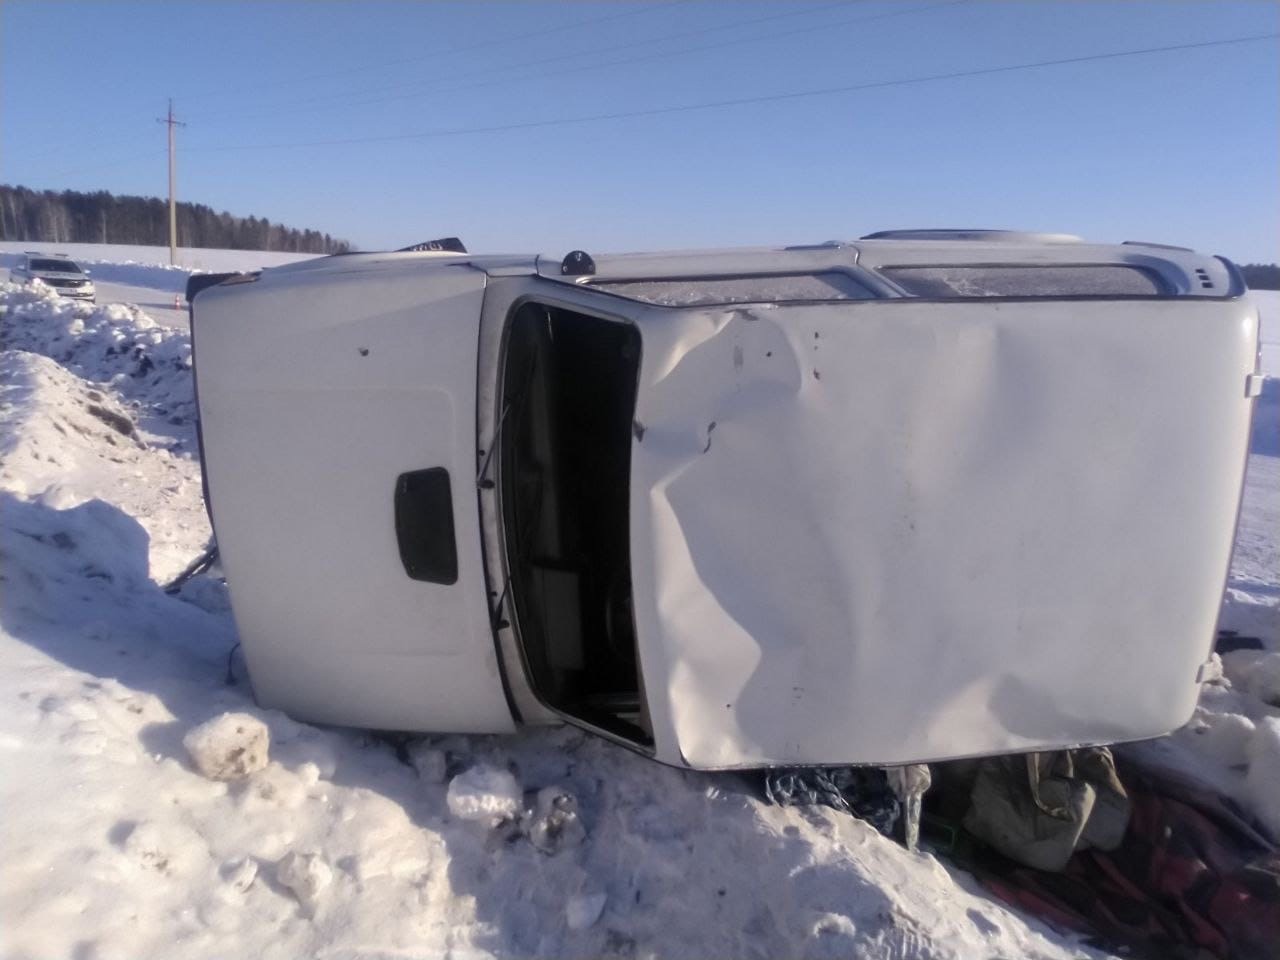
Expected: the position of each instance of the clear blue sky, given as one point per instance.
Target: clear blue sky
(1180, 147)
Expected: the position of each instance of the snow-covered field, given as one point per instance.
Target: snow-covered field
(140, 262)
(120, 838)
(1269, 304)
(142, 275)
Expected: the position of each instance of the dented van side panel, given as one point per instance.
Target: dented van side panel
(888, 532)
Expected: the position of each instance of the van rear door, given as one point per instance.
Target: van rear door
(890, 531)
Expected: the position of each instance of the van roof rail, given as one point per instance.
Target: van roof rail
(1157, 246)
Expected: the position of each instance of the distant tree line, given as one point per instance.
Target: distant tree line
(67, 216)
(1262, 276)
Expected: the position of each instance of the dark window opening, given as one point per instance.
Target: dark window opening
(569, 389)
(1048, 280)
(54, 266)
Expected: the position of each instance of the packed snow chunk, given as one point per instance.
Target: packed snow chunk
(1263, 680)
(170, 848)
(584, 910)
(430, 762)
(1262, 783)
(306, 751)
(1214, 672)
(275, 786)
(1224, 736)
(555, 825)
(208, 593)
(229, 747)
(833, 935)
(306, 874)
(486, 794)
(239, 874)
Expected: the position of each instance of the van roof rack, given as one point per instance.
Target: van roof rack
(443, 245)
(991, 236)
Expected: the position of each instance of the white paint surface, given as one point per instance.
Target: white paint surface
(365, 381)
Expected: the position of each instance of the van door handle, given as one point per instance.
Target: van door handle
(424, 525)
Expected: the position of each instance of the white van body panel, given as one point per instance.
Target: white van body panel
(893, 531)
(872, 531)
(317, 390)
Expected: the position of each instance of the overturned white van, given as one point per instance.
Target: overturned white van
(926, 495)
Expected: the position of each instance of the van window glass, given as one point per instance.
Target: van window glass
(1088, 280)
(704, 291)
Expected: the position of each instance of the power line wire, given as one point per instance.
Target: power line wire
(666, 54)
(643, 58)
(440, 52)
(743, 101)
(110, 165)
(436, 89)
(77, 143)
(434, 86)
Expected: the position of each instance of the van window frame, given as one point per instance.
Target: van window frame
(505, 614)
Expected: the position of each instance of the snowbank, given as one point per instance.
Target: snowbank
(1262, 780)
(114, 344)
(98, 402)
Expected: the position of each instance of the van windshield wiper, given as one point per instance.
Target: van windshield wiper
(483, 482)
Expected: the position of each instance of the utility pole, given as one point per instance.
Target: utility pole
(173, 206)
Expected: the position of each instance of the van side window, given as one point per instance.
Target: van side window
(1084, 280)
(773, 288)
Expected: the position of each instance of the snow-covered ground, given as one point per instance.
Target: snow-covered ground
(132, 829)
(1269, 305)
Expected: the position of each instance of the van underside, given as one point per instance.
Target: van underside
(568, 400)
